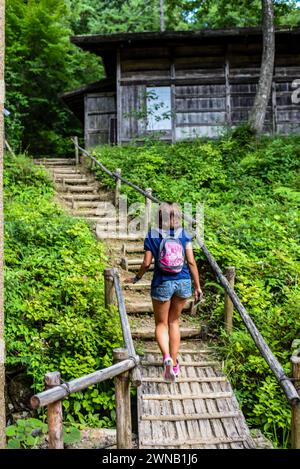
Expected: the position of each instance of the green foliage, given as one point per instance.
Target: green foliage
(251, 194)
(26, 433)
(55, 318)
(30, 434)
(40, 64)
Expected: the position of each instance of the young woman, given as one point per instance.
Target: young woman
(171, 286)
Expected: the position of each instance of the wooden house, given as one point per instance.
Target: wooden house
(184, 84)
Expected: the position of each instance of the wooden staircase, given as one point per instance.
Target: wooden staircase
(200, 409)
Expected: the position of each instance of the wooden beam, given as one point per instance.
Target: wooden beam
(228, 305)
(172, 397)
(136, 374)
(123, 407)
(196, 441)
(109, 287)
(55, 417)
(63, 390)
(265, 351)
(227, 88)
(181, 417)
(295, 433)
(119, 98)
(196, 364)
(209, 379)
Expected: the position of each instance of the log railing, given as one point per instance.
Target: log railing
(231, 300)
(124, 370)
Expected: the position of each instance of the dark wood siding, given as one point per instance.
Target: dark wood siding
(100, 108)
(212, 83)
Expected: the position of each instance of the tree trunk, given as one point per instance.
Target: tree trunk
(258, 112)
(2, 348)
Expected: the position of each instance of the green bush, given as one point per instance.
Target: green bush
(55, 318)
(251, 193)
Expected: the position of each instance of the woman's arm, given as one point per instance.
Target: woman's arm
(144, 267)
(194, 272)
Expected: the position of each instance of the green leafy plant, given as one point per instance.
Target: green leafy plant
(31, 433)
(55, 314)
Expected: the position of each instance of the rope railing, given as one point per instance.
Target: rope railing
(284, 381)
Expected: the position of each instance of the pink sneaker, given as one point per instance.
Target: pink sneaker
(176, 368)
(168, 369)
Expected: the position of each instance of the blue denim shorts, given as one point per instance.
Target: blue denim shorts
(165, 291)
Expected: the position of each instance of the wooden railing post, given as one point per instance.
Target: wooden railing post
(228, 305)
(55, 417)
(295, 434)
(75, 140)
(109, 287)
(118, 188)
(148, 207)
(123, 407)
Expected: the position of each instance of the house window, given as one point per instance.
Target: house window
(158, 108)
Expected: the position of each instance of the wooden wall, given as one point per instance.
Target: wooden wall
(212, 85)
(100, 113)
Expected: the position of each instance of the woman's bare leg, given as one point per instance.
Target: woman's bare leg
(161, 314)
(176, 307)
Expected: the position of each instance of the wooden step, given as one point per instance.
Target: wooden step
(82, 180)
(133, 264)
(195, 364)
(121, 236)
(182, 351)
(137, 286)
(180, 397)
(145, 306)
(79, 197)
(90, 204)
(55, 162)
(132, 248)
(209, 379)
(147, 334)
(85, 213)
(80, 188)
(182, 417)
(196, 442)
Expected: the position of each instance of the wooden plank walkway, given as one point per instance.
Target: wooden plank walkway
(200, 409)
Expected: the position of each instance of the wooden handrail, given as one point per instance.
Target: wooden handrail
(284, 381)
(136, 374)
(58, 393)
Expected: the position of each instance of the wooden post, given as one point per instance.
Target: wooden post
(118, 188)
(55, 417)
(148, 206)
(228, 305)
(295, 436)
(123, 408)
(109, 287)
(76, 150)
